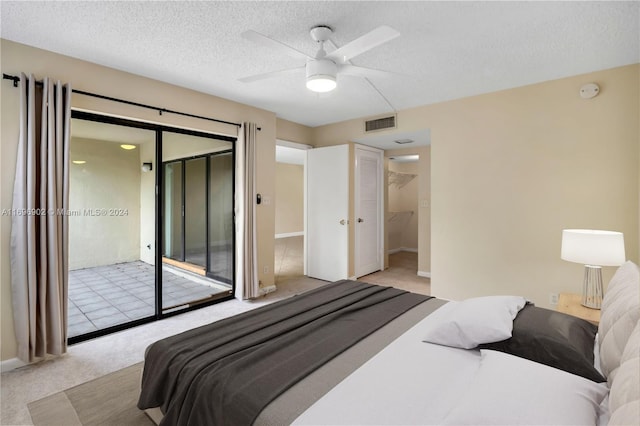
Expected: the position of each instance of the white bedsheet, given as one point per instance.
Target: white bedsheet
(421, 381)
(411, 382)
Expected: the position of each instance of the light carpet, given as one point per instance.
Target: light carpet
(95, 358)
(61, 382)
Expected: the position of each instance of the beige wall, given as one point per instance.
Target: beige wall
(16, 58)
(176, 146)
(289, 198)
(293, 132)
(511, 169)
(108, 180)
(148, 203)
(424, 211)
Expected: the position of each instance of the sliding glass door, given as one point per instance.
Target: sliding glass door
(198, 231)
(199, 213)
(220, 221)
(151, 222)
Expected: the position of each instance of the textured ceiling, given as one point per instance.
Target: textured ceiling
(446, 50)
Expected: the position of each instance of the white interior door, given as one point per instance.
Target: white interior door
(368, 211)
(327, 213)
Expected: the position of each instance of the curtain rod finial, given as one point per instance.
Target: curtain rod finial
(13, 78)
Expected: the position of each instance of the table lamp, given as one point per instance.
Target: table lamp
(594, 249)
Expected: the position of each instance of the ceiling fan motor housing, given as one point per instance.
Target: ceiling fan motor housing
(321, 67)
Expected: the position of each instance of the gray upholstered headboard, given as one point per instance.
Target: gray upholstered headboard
(619, 336)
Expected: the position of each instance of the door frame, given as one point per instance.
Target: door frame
(159, 129)
(301, 147)
(380, 207)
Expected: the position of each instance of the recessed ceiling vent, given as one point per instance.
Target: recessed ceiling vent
(381, 123)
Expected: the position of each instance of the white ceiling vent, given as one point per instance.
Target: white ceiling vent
(381, 123)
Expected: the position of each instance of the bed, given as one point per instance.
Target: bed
(356, 353)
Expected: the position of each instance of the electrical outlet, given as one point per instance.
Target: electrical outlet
(265, 269)
(553, 298)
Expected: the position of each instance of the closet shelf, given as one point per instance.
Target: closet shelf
(393, 216)
(400, 179)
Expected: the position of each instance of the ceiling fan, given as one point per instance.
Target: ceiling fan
(323, 68)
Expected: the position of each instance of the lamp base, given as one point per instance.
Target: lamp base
(592, 290)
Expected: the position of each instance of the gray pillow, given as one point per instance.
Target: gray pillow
(554, 339)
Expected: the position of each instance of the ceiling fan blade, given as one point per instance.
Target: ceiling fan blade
(274, 44)
(366, 42)
(271, 74)
(355, 71)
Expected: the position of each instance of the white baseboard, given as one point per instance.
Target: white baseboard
(268, 289)
(424, 274)
(290, 234)
(11, 364)
(353, 278)
(398, 250)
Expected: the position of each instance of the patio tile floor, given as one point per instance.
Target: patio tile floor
(104, 296)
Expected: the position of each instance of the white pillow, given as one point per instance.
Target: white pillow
(509, 390)
(473, 321)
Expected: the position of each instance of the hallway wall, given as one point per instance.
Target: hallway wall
(289, 198)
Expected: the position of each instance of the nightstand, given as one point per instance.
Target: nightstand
(569, 303)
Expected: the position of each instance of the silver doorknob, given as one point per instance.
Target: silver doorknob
(343, 222)
(360, 220)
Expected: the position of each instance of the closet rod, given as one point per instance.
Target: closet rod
(16, 80)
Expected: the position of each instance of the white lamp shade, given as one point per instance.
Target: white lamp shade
(593, 247)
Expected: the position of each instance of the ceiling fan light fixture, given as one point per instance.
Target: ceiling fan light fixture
(321, 83)
(321, 75)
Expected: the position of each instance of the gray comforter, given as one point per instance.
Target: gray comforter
(228, 371)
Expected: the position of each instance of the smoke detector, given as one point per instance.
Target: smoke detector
(589, 91)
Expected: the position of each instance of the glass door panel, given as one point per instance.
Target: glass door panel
(195, 212)
(111, 226)
(206, 209)
(173, 213)
(221, 217)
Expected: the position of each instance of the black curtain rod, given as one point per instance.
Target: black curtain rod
(16, 80)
